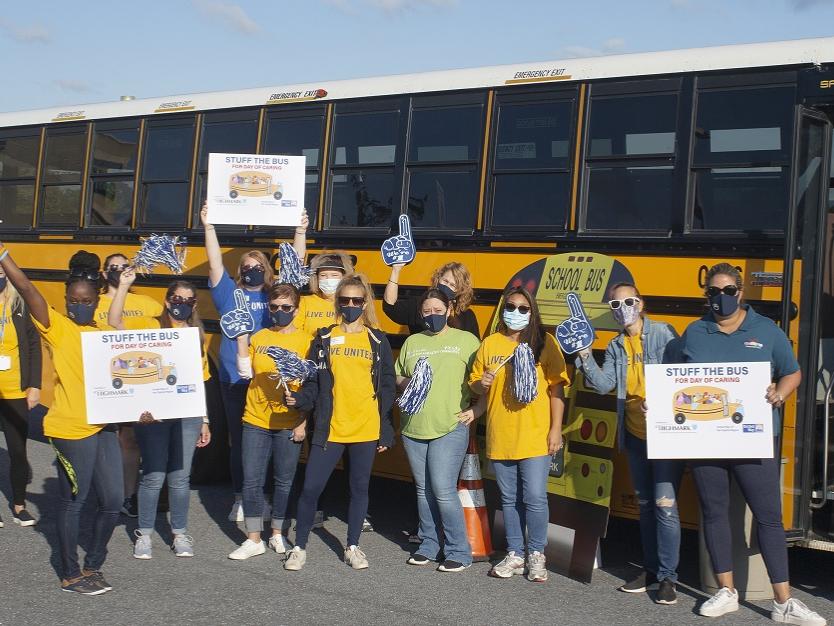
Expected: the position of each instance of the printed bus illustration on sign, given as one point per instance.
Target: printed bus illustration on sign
(140, 368)
(254, 184)
(705, 403)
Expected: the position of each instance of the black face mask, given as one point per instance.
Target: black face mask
(281, 318)
(181, 312)
(81, 314)
(723, 305)
(350, 313)
(113, 277)
(447, 291)
(434, 322)
(252, 277)
(3, 281)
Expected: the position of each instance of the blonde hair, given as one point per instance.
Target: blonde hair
(260, 257)
(13, 300)
(319, 259)
(463, 280)
(359, 280)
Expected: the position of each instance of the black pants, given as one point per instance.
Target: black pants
(14, 416)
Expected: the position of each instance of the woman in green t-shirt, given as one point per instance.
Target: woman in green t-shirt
(436, 437)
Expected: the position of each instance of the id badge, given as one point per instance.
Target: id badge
(5, 362)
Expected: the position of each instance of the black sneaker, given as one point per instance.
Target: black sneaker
(98, 578)
(23, 518)
(646, 580)
(130, 507)
(666, 594)
(418, 559)
(451, 566)
(86, 586)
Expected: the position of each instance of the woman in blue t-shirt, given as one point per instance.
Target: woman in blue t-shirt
(254, 279)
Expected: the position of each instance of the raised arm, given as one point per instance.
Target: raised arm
(215, 257)
(299, 242)
(392, 289)
(38, 307)
(117, 305)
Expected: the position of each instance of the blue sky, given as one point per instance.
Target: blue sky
(59, 53)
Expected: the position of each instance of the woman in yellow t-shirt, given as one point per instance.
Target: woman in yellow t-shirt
(521, 437)
(88, 454)
(271, 429)
(317, 309)
(167, 446)
(20, 387)
(352, 395)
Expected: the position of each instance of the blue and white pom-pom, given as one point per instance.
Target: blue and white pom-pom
(291, 271)
(525, 377)
(161, 250)
(290, 366)
(417, 390)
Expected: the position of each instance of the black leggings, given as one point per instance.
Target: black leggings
(14, 416)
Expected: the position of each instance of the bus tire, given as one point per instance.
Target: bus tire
(680, 418)
(233, 194)
(737, 418)
(117, 383)
(171, 379)
(277, 195)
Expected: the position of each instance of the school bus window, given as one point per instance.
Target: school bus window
(632, 125)
(534, 199)
(18, 166)
(748, 199)
(446, 134)
(533, 136)
(62, 170)
(443, 199)
(365, 138)
(362, 198)
(166, 173)
(111, 176)
(630, 198)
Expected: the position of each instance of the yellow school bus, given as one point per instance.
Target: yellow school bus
(660, 163)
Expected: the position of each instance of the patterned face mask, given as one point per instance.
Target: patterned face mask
(626, 315)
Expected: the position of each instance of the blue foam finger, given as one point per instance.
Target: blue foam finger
(238, 321)
(399, 248)
(576, 333)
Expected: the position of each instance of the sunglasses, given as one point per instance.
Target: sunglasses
(180, 300)
(246, 268)
(118, 268)
(349, 301)
(286, 308)
(522, 308)
(86, 275)
(629, 302)
(729, 290)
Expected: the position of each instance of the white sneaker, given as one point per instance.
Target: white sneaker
(296, 558)
(356, 558)
(247, 549)
(723, 602)
(276, 542)
(511, 565)
(236, 514)
(795, 612)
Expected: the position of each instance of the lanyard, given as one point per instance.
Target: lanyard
(3, 329)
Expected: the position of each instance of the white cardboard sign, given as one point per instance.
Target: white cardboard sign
(255, 189)
(127, 372)
(708, 411)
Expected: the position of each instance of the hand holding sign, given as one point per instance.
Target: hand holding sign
(400, 248)
(576, 332)
(239, 320)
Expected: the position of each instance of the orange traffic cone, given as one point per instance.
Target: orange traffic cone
(471, 494)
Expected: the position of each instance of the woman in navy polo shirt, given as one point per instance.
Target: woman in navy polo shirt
(733, 332)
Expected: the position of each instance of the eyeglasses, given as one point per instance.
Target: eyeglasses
(286, 308)
(522, 308)
(629, 302)
(349, 301)
(180, 300)
(729, 290)
(87, 275)
(118, 268)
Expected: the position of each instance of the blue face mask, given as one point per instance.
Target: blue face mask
(723, 305)
(434, 322)
(281, 318)
(350, 313)
(81, 314)
(447, 291)
(181, 312)
(516, 320)
(253, 277)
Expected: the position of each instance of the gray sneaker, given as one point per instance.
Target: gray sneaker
(183, 545)
(356, 558)
(536, 570)
(142, 547)
(511, 565)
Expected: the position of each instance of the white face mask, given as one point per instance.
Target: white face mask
(328, 285)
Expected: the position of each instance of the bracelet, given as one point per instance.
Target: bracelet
(205, 420)
(389, 280)
(4, 253)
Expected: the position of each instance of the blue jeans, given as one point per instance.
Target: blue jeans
(523, 486)
(167, 450)
(259, 444)
(435, 465)
(656, 483)
(234, 402)
(97, 462)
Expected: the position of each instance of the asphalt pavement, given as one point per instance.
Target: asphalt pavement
(211, 589)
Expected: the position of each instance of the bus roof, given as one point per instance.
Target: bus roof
(781, 53)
